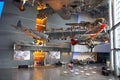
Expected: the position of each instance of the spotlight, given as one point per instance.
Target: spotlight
(22, 8)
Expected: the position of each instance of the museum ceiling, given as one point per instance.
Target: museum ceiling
(66, 8)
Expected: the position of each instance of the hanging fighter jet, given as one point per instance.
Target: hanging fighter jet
(29, 32)
(95, 33)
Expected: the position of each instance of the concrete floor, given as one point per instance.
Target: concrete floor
(88, 72)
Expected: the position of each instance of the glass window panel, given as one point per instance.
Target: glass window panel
(111, 39)
(117, 11)
(117, 39)
(118, 62)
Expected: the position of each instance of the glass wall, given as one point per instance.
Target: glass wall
(115, 36)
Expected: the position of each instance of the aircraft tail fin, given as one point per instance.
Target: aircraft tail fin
(19, 23)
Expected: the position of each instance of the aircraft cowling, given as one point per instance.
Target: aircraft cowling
(74, 41)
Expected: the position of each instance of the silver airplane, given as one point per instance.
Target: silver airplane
(29, 32)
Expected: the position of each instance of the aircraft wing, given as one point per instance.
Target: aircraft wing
(102, 37)
(31, 33)
(82, 23)
(40, 34)
(93, 32)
